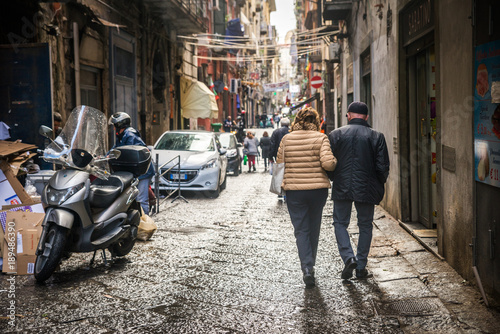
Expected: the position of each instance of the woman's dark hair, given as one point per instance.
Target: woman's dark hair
(265, 134)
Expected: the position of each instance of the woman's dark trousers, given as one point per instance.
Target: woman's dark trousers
(305, 208)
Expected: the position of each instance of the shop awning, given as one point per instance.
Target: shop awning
(197, 101)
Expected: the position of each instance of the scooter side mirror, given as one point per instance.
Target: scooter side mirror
(222, 151)
(45, 131)
(81, 158)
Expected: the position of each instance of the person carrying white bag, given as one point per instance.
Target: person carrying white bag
(306, 156)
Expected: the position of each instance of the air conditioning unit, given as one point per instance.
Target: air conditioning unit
(334, 52)
(215, 4)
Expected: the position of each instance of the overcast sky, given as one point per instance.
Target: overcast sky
(283, 18)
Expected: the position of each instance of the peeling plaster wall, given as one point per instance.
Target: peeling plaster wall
(456, 107)
(369, 32)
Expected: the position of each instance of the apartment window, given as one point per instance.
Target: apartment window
(90, 86)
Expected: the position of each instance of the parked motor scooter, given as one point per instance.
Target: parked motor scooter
(86, 216)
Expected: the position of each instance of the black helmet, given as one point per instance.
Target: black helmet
(120, 120)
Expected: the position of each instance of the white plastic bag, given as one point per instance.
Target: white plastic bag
(277, 179)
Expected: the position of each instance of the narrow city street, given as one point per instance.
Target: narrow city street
(230, 265)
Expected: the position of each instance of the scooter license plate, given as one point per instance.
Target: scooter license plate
(178, 176)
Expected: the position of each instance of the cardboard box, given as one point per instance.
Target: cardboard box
(3, 218)
(9, 183)
(38, 208)
(24, 238)
(7, 194)
(13, 147)
(16, 162)
(33, 207)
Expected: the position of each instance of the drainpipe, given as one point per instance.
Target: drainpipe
(144, 40)
(76, 50)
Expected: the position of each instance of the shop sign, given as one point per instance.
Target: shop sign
(272, 87)
(487, 113)
(295, 89)
(418, 20)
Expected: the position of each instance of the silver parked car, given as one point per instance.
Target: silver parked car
(203, 162)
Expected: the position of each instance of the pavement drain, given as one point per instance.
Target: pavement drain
(410, 307)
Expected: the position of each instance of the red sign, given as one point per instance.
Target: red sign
(316, 82)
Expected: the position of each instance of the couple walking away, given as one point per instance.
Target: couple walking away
(356, 158)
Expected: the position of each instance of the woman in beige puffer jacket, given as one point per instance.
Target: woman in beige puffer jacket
(307, 156)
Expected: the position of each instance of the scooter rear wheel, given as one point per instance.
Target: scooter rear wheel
(52, 251)
(123, 246)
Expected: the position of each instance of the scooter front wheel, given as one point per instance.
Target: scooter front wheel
(51, 252)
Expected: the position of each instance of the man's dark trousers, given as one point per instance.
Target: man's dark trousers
(341, 219)
(306, 208)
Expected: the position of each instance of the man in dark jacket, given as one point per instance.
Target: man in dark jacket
(362, 169)
(127, 135)
(276, 137)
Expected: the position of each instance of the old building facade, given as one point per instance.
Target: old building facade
(421, 69)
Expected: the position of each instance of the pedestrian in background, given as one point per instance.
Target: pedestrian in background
(362, 169)
(307, 156)
(228, 124)
(127, 135)
(250, 146)
(277, 120)
(240, 128)
(265, 148)
(276, 137)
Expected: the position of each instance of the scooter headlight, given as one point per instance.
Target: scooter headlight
(58, 197)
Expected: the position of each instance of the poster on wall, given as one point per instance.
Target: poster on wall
(487, 113)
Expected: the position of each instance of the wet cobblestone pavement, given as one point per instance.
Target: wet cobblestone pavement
(230, 265)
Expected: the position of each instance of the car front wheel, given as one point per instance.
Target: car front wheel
(223, 185)
(213, 193)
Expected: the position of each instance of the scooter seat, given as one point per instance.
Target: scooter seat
(104, 192)
(125, 178)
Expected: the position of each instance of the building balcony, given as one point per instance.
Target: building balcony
(188, 16)
(336, 9)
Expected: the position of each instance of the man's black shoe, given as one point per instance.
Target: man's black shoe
(309, 279)
(363, 274)
(350, 265)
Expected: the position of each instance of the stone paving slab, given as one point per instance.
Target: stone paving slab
(391, 268)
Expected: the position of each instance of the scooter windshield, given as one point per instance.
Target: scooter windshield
(86, 129)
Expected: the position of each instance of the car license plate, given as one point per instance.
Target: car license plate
(178, 176)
